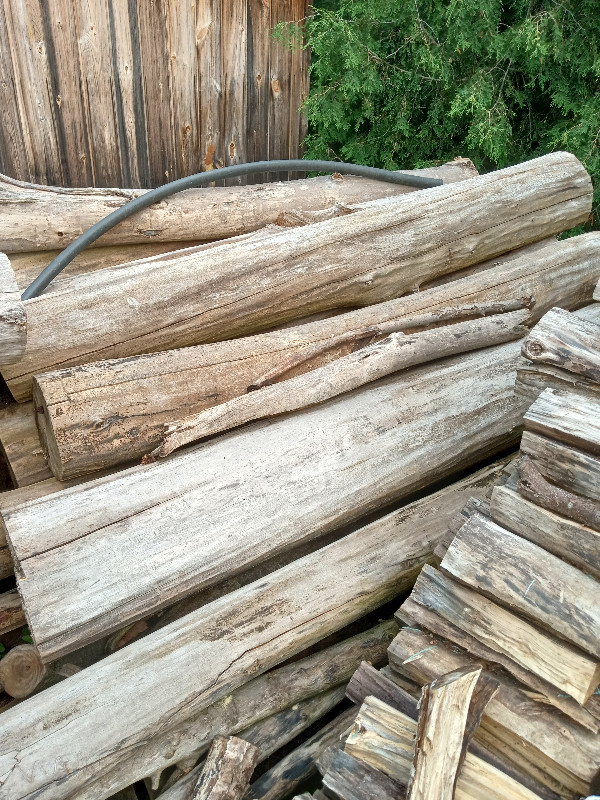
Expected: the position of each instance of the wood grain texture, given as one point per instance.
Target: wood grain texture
(227, 770)
(563, 340)
(13, 317)
(358, 259)
(21, 671)
(351, 779)
(11, 611)
(21, 447)
(368, 681)
(567, 418)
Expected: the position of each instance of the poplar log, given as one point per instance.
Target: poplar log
(567, 418)
(507, 635)
(99, 415)
(47, 217)
(392, 354)
(350, 779)
(11, 611)
(21, 447)
(230, 486)
(21, 671)
(383, 738)
(536, 584)
(515, 724)
(13, 316)
(563, 340)
(571, 469)
(355, 260)
(227, 770)
(569, 540)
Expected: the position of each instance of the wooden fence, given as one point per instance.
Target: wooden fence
(135, 93)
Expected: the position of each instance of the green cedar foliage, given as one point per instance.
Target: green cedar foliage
(409, 83)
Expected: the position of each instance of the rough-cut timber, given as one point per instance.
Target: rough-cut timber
(21, 671)
(11, 611)
(359, 259)
(536, 584)
(351, 779)
(396, 352)
(20, 444)
(50, 217)
(569, 540)
(103, 414)
(452, 412)
(368, 681)
(227, 770)
(567, 418)
(564, 340)
(13, 317)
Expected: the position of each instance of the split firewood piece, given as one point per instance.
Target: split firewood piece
(227, 770)
(360, 259)
(517, 724)
(533, 486)
(13, 317)
(114, 411)
(21, 671)
(508, 637)
(11, 611)
(396, 352)
(449, 713)
(351, 779)
(571, 469)
(567, 418)
(370, 682)
(533, 378)
(536, 584)
(21, 446)
(474, 505)
(564, 340)
(571, 541)
(384, 738)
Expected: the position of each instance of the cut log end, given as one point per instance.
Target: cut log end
(21, 671)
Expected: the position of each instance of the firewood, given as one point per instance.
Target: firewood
(11, 611)
(227, 770)
(13, 317)
(394, 353)
(21, 671)
(121, 406)
(351, 779)
(563, 340)
(21, 447)
(533, 378)
(443, 732)
(370, 682)
(360, 259)
(567, 418)
(597, 292)
(473, 506)
(527, 579)
(534, 487)
(56, 216)
(272, 471)
(569, 540)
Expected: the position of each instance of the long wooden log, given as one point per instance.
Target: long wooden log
(271, 471)
(567, 418)
(534, 583)
(356, 260)
(46, 217)
(227, 770)
(570, 541)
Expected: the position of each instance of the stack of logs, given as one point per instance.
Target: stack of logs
(225, 589)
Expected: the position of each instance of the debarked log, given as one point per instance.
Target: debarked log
(355, 260)
(568, 418)
(227, 770)
(160, 514)
(98, 415)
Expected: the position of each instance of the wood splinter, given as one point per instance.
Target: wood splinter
(227, 770)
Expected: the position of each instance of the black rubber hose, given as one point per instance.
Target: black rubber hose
(201, 179)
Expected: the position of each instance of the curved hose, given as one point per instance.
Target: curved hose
(201, 179)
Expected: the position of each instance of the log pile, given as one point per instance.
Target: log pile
(233, 460)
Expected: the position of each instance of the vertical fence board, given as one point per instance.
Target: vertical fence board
(15, 156)
(234, 29)
(280, 63)
(257, 82)
(210, 71)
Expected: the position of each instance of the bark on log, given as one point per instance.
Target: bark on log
(11, 611)
(366, 258)
(21, 671)
(46, 217)
(21, 447)
(531, 734)
(392, 354)
(569, 540)
(102, 414)
(513, 640)
(351, 779)
(566, 418)
(62, 542)
(227, 770)
(13, 317)
(536, 584)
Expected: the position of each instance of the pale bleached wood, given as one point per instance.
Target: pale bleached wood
(56, 215)
(230, 486)
(394, 353)
(507, 635)
(13, 316)
(21, 447)
(227, 770)
(569, 540)
(383, 738)
(21, 671)
(355, 260)
(11, 611)
(121, 405)
(567, 418)
(516, 723)
(565, 466)
(536, 584)
(473, 506)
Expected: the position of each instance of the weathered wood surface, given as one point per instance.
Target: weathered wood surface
(351, 779)
(57, 216)
(536, 584)
(299, 765)
(396, 352)
(564, 466)
(563, 340)
(474, 505)
(227, 770)
(364, 258)
(21, 671)
(230, 486)
(106, 413)
(256, 700)
(11, 611)
(443, 735)
(368, 681)
(567, 418)
(516, 723)
(13, 317)
(533, 486)
(383, 738)
(507, 635)
(21, 447)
